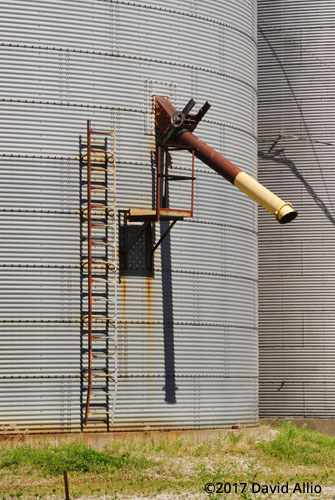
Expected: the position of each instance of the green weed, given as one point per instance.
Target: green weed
(300, 446)
(235, 438)
(178, 465)
(73, 457)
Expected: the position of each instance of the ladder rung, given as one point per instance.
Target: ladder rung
(94, 183)
(99, 369)
(96, 294)
(107, 393)
(104, 420)
(106, 264)
(99, 313)
(172, 177)
(105, 299)
(97, 405)
(110, 265)
(97, 388)
(95, 218)
(84, 351)
(99, 413)
(102, 281)
(97, 283)
(101, 278)
(100, 257)
(95, 238)
(98, 337)
(102, 225)
(102, 244)
(96, 162)
(98, 319)
(101, 356)
(104, 207)
(100, 332)
(97, 147)
(103, 371)
(104, 336)
(94, 201)
(94, 274)
(100, 132)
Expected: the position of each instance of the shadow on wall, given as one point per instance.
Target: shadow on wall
(167, 291)
(168, 323)
(139, 262)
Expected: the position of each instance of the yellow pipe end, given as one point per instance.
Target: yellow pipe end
(286, 213)
(282, 210)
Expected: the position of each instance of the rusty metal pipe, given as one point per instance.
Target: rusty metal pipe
(66, 485)
(208, 155)
(282, 210)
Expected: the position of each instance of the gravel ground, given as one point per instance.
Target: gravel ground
(164, 496)
(328, 493)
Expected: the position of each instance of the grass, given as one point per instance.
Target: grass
(178, 466)
(73, 457)
(302, 446)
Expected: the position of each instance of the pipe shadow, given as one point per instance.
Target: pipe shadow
(170, 387)
(168, 323)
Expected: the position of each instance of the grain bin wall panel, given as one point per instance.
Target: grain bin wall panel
(188, 300)
(39, 404)
(39, 294)
(223, 393)
(296, 263)
(48, 239)
(145, 354)
(187, 335)
(54, 354)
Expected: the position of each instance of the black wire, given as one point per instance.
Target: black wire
(300, 111)
(285, 161)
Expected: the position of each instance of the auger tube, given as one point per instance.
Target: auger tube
(282, 210)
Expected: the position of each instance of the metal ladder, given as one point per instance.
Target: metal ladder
(98, 283)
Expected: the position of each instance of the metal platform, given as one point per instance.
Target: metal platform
(143, 214)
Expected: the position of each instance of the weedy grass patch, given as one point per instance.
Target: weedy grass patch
(169, 465)
(300, 446)
(73, 457)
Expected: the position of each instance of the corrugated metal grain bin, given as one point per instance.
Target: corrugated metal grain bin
(297, 263)
(187, 334)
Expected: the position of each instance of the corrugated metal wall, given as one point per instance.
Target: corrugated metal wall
(188, 336)
(297, 263)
